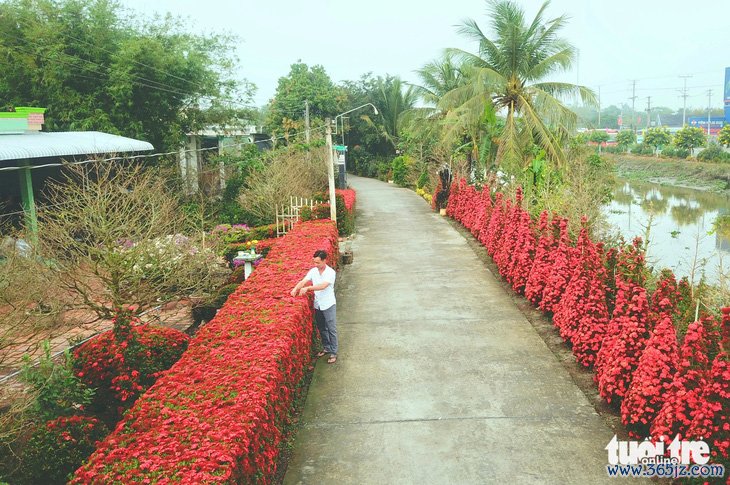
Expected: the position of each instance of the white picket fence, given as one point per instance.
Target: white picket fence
(286, 217)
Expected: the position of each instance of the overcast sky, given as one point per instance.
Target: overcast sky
(651, 41)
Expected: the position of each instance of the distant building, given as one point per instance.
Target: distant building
(214, 140)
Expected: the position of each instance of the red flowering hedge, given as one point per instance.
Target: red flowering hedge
(345, 207)
(711, 418)
(124, 362)
(689, 381)
(217, 415)
(601, 306)
(348, 197)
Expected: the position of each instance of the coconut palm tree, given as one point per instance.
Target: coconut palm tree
(394, 101)
(438, 77)
(511, 72)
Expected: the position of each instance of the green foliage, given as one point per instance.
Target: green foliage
(642, 149)
(625, 138)
(598, 136)
(673, 151)
(689, 137)
(423, 180)
(723, 138)
(713, 153)
(58, 392)
(511, 72)
(96, 68)
(58, 448)
(393, 99)
(582, 187)
(657, 137)
(303, 83)
(401, 167)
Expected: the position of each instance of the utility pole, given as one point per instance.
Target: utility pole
(709, 112)
(599, 107)
(306, 120)
(684, 104)
(648, 112)
(633, 107)
(331, 171)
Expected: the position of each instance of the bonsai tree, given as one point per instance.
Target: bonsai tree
(115, 237)
(657, 137)
(689, 137)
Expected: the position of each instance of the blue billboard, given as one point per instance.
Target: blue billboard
(727, 95)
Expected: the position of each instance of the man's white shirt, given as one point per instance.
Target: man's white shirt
(323, 299)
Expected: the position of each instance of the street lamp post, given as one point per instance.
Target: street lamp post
(331, 159)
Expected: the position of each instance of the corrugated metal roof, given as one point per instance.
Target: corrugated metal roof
(64, 144)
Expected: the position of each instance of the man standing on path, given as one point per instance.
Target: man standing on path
(321, 280)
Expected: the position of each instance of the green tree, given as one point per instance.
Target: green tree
(657, 137)
(96, 68)
(689, 137)
(511, 72)
(394, 101)
(625, 138)
(723, 137)
(303, 83)
(598, 137)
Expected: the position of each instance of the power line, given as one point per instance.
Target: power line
(135, 157)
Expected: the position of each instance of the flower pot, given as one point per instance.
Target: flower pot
(442, 212)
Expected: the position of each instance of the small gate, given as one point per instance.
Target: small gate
(286, 217)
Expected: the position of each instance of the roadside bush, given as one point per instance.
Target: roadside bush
(423, 180)
(59, 447)
(642, 149)
(402, 167)
(124, 362)
(713, 153)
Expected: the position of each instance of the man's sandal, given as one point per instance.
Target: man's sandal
(321, 354)
(332, 359)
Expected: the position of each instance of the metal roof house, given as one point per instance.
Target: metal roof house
(27, 151)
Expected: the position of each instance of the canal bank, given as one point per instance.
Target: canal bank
(710, 177)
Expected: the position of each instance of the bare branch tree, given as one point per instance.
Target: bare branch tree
(289, 172)
(115, 234)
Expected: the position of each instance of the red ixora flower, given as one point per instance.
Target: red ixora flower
(217, 414)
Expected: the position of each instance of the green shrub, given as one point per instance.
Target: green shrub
(58, 448)
(59, 391)
(423, 180)
(238, 275)
(713, 153)
(223, 293)
(642, 149)
(673, 151)
(400, 170)
(383, 170)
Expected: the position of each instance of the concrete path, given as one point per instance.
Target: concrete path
(440, 378)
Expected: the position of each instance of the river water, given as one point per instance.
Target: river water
(682, 235)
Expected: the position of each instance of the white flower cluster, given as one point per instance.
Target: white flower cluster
(166, 256)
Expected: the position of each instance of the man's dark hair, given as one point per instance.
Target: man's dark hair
(321, 254)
